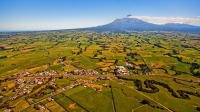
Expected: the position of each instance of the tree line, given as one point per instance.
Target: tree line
(183, 94)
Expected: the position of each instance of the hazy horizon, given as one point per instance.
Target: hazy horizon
(22, 15)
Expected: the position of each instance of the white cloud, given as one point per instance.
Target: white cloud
(164, 20)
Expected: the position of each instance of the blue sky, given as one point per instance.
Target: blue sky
(65, 14)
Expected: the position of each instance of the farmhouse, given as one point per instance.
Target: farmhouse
(121, 70)
(129, 65)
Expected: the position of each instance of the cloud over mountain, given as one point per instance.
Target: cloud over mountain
(164, 20)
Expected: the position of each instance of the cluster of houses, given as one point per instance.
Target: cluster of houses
(52, 73)
(37, 81)
(8, 110)
(121, 70)
(23, 86)
(19, 81)
(85, 72)
(85, 82)
(48, 73)
(42, 108)
(43, 73)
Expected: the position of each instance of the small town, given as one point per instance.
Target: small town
(26, 84)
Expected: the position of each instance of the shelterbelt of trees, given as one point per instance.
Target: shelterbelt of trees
(183, 94)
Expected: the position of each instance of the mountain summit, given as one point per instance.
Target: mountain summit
(129, 15)
(128, 23)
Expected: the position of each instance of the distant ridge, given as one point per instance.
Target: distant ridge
(135, 24)
(127, 24)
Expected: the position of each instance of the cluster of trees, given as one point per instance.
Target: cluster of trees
(79, 52)
(184, 92)
(37, 87)
(63, 58)
(54, 45)
(149, 84)
(197, 74)
(173, 68)
(187, 46)
(98, 42)
(40, 85)
(102, 58)
(145, 102)
(124, 49)
(39, 94)
(1, 48)
(175, 51)
(85, 48)
(5, 104)
(73, 52)
(158, 45)
(42, 92)
(193, 67)
(178, 82)
(151, 105)
(132, 54)
(144, 68)
(183, 95)
(2, 57)
(104, 46)
(37, 106)
(99, 51)
(178, 58)
(198, 109)
(95, 55)
(167, 87)
(79, 45)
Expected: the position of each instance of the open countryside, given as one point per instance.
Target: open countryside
(99, 56)
(80, 70)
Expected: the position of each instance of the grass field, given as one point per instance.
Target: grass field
(92, 100)
(159, 56)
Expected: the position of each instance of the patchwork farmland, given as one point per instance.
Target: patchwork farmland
(86, 71)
